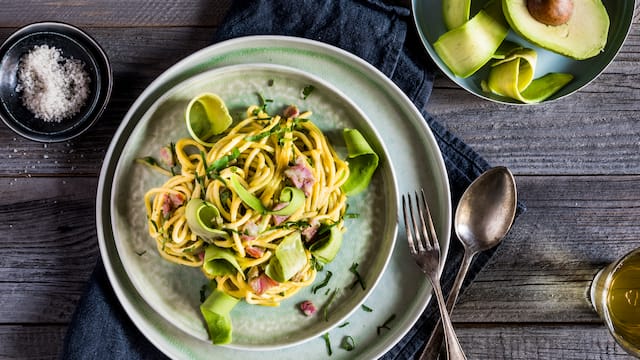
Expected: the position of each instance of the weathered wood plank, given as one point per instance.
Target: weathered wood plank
(593, 131)
(107, 13)
(31, 342)
(492, 342)
(573, 227)
(578, 342)
(138, 56)
(49, 247)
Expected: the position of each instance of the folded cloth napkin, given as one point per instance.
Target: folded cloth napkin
(371, 29)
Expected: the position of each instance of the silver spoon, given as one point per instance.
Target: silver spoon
(483, 217)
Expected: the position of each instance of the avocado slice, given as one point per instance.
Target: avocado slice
(582, 37)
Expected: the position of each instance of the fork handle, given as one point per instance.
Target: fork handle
(454, 350)
(434, 344)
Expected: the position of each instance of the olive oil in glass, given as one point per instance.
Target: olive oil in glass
(615, 294)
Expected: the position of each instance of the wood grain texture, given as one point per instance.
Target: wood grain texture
(138, 56)
(38, 342)
(525, 342)
(576, 160)
(107, 13)
(594, 131)
(541, 273)
(508, 342)
(49, 243)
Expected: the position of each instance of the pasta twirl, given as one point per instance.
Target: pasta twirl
(250, 210)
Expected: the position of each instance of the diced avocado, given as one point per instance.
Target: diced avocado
(583, 36)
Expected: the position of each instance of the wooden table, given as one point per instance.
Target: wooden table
(576, 161)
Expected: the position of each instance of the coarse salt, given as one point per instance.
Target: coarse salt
(53, 87)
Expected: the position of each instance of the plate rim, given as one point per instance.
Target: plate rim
(297, 43)
(215, 74)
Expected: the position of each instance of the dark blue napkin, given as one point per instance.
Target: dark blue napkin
(373, 30)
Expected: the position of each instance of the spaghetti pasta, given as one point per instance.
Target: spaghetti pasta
(251, 209)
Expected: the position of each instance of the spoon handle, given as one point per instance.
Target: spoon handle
(432, 349)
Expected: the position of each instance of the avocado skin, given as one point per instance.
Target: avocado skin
(582, 37)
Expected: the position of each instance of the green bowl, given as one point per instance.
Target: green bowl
(429, 23)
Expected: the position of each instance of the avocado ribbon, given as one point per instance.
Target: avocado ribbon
(512, 76)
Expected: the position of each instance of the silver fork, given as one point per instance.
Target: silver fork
(424, 247)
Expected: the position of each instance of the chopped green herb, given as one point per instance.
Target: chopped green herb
(386, 324)
(323, 283)
(316, 264)
(366, 308)
(155, 225)
(223, 162)
(270, 82)
(344, 325)
(325, 307)
(351, 216)
(328, 291)
(359, 279)
(263, 104)
(327, 342)
(140, 253)
(200, 180)
(204, 159)
(274, 130)
(203, 292)
(307, 91)
(225, 195)
(348, 343)
(148, 160)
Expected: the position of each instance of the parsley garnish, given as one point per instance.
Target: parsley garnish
(307, 91)
(343, 325)
(359, 279)
(366, 308)
(386, 324)
(325, 307)
(327, 342)
(323, 283)
(223, 162)
(348, 343)
(203, 292)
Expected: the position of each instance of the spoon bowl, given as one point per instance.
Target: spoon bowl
(486, 210)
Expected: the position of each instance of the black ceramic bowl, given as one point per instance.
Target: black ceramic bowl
(73, 43)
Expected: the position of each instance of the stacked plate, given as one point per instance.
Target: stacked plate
(162, 298)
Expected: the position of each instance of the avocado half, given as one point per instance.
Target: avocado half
(582, 37)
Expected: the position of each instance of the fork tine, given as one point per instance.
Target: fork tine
(425, 239)
(432, 231)
(406, 212)
(418, 230)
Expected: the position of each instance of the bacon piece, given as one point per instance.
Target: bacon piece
(307, 308)
(310, 232)
(279, 219)
(291, 111)
(166, 156)
(300, 175)
(255, 252)
(170, 202)
(262, 283)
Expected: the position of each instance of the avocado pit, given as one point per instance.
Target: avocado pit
(551, 12)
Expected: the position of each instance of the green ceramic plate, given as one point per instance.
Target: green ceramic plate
(412, 153)
(174, 290)
(428, 19)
